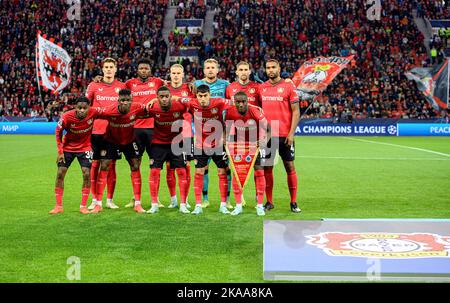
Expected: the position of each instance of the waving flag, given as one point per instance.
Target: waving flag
(433, 83)
(52, 65)
(316, 74)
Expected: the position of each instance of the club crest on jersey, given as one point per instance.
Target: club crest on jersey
(184, 94)
(73, 125)
(214, 110)
(234, 90)
(264, 90)
(251, 90)
(176, 114)
(134, 84)
(280, 90)
(100, 89)
(158, 115)
(382, 245)
(90, 121)
(117, 90)
(132, 117)
(151, 84)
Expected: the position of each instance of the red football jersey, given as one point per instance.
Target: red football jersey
(276, 102)
(251, 89)
(247, 127)
(102, 94)
(142, 93)
(120, 127)
(205, 121)
(78, 132)
(184, 92)
(164, 120)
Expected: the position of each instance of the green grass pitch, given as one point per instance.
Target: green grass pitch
(338, 178)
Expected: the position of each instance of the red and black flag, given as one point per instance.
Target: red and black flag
(433, 83)
(313, 77)
(52, 65)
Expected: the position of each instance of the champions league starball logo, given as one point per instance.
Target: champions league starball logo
(392, 130)
(382, 245)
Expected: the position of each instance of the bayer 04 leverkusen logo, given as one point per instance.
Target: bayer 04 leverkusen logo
(382, 245)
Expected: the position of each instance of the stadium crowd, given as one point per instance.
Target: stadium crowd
(127, 30)
(374, 85)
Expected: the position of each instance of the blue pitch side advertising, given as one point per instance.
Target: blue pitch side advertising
(29, 128)
(417, 129)
(318, 129)
(313, 129)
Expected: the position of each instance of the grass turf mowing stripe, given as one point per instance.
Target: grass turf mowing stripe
(401, 146)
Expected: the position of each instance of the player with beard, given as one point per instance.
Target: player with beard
(280, 105)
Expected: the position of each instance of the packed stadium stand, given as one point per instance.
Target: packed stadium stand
(126, 30)
(290, 31)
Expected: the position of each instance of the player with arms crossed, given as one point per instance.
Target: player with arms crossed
(280, 105)
(217, 89)
(247, 124)
(103, 94)
(78, 124)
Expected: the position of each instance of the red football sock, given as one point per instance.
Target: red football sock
(268, 175)
(181, 173)
(94, 175)
(59, 195)
(237, 192)
(111, 179)
(153, 181)
(136, 182)
(292, 183)
(84, 195)
(223, 187)
(188, 179)
(101, 184)
(260, 183)
(198, 188)
(170, 178)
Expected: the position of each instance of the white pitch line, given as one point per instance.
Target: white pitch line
(356, 158)
(402, 146)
